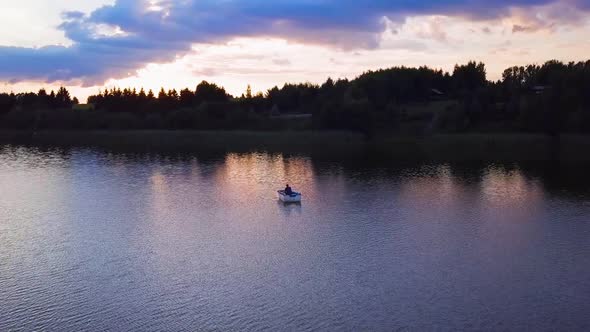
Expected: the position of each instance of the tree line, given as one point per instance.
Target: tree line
(552, 98)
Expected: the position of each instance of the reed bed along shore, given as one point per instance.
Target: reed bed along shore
(452, 147)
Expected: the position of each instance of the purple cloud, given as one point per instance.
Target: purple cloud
(520, 28)
(115, 40)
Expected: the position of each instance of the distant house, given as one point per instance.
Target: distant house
(540, 89)
(275, 111)
(292, 116)
(83, 107)
(436, 94)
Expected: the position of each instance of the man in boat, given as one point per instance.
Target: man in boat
(288, 190)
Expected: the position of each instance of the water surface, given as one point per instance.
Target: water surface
(92, 240)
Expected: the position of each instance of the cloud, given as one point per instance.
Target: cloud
(281, 62)
(434, 30)
(206, 71)
(551, 16)
(521, 28)
(72, 15)
(116, 40)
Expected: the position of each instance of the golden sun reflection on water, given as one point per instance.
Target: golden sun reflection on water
(437, 187)
(501, 187)
(256, 175)
(500, 191)
(160, 191)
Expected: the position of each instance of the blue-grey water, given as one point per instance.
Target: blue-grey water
(97, 241)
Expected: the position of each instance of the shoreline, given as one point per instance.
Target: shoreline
(488, 147)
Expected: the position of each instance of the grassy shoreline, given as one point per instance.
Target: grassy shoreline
(451, 147)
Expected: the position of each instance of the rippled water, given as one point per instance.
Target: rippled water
(97, 241)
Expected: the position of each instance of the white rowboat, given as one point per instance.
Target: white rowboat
(293, 198)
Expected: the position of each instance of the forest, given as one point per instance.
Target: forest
(551, 98)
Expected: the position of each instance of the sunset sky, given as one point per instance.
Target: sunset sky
(91, 44)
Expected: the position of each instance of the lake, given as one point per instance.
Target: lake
(94, 240)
